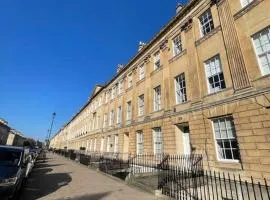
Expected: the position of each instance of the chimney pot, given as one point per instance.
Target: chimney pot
(141, 45)
(119, 67)
(179, 7)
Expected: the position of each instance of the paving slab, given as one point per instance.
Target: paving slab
(59, 178)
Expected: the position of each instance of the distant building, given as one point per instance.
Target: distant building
(4, 132)
(9, 135)
(15, 138)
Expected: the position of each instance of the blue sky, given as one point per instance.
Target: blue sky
(53, 52)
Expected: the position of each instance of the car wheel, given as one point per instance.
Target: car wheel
(18, 190)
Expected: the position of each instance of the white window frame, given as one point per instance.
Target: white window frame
(113, 92)
(141, 105)
(180, 89)
(177, 45)
(105, 120)
(98, 119)
(157, 98)
(94, 121)
(213, 71)
(95, 144)
(129, 110)
(129, 80)
(100, 101)
(120, 87)
(244, 3)
(119, 115)
(157, 62)
(102, 144)
(207, 15)
(111, 118)
(116, 143)
(87, 145)
(107, 96)
(226, 118)
(108, 147)
(141, 71)
(91, 145)
(261, 50)
(158, 141)
(139, 142)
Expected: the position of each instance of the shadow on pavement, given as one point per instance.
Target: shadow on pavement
(96, 196)
(41, 182)
(43, 165)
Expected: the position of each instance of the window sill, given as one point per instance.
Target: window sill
(246, 9)
(228, 161)
(179, 104)
(229, 164)
(140, 117)
(157, 111)
(140, 81)
(119, 125)
(262, 77)
(176, 57)
(128, 89)
(220, 91)
(120, 94)
(156, 70)
(128, 122)
(207, 36)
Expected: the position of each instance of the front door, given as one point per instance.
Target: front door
(186, 140)
(126, 145)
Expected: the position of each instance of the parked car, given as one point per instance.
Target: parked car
(13, 165)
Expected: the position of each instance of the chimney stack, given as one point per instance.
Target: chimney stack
(141, 45)
(179, 7)
(119, 67)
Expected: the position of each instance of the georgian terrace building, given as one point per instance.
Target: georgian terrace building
(201, 85)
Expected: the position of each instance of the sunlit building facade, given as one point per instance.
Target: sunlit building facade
(201, 85)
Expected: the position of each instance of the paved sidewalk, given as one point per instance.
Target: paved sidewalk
(59, 178)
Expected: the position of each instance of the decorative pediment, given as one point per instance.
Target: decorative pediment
(96, 90)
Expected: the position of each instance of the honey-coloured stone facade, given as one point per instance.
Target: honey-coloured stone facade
(245, 98)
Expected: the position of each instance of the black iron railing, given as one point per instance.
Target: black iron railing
(178, 176)
(210, 185)
(153, 163)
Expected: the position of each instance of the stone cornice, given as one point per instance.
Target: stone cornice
(200, 107)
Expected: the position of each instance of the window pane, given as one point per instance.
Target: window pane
(206, 22)
(220, 149)
(227, 147)
(227, 144)
(228, 154)
(261, 43)
(214, 74)
(236, 154)
(180, 89)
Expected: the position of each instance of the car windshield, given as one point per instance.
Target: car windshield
(9, 158)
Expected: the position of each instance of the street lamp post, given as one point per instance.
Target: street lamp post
(50, 130)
